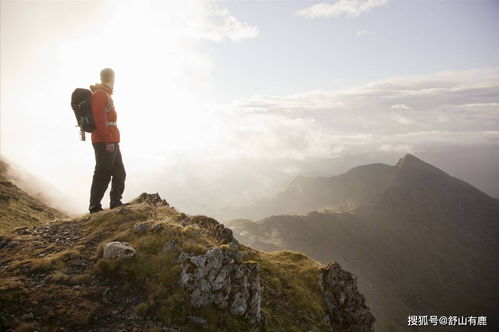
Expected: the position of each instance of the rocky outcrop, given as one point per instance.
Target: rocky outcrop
(151, 199)
(345, 307)
(219, 277)
(118, 250)
(148, 226)
(215, 229)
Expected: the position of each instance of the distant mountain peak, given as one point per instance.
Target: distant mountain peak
(412, 163)
(410, 160)
(411, 168)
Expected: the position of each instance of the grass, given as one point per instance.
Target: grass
(292, 293)
(18, 209)
(53, 262)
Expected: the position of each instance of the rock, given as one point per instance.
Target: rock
(219, 278)
(234, 244)
(216, 229)
(158, 227)
(29, 316)
(169, 245)
(142, 227)
(182, 257)
(22, 230)
(225, 234)
(11, 244)
(147, 226)
(118, 249)
(152, 199)
(4, 242)
(345, 307)
(199, 321)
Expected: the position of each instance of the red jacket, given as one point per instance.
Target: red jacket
(104, 132)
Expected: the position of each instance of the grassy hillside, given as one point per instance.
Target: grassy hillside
(17, 208)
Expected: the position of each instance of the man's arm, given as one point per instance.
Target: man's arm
(99, 104)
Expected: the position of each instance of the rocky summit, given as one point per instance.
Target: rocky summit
(148, 267)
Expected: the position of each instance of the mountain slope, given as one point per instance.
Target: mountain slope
(148, 267)
(421, 242)
(17, 208)
(307, 193)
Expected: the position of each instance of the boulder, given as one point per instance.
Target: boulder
(118, 249)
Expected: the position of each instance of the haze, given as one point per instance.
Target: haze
(223, 102)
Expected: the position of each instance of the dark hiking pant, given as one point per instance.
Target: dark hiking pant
(107, 165)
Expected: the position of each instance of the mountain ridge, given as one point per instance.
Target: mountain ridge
(422, 224)
(358, 186)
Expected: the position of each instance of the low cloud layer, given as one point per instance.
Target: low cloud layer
(444, 109)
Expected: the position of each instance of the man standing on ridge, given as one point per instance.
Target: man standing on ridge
(105, 140)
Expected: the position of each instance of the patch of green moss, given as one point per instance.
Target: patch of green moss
(141, 309)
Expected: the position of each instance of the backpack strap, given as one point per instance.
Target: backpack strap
(109, 104)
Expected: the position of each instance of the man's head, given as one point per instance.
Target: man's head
(107, 76)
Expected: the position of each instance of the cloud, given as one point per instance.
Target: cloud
(400, 148)
(363, 33)
(222, 25)
(400, 107)
(401, 119)
(448, 109)
(351, 8)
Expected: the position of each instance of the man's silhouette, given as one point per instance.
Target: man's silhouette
(105, 140)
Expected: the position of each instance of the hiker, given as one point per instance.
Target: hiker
(105, 140)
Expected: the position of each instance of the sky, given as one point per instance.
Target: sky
(224, 102)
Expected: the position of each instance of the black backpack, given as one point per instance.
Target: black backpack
(81, 105)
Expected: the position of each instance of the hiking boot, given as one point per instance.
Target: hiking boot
(115, 205)
(96, 210)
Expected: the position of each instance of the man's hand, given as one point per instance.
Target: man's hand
(110, 147)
